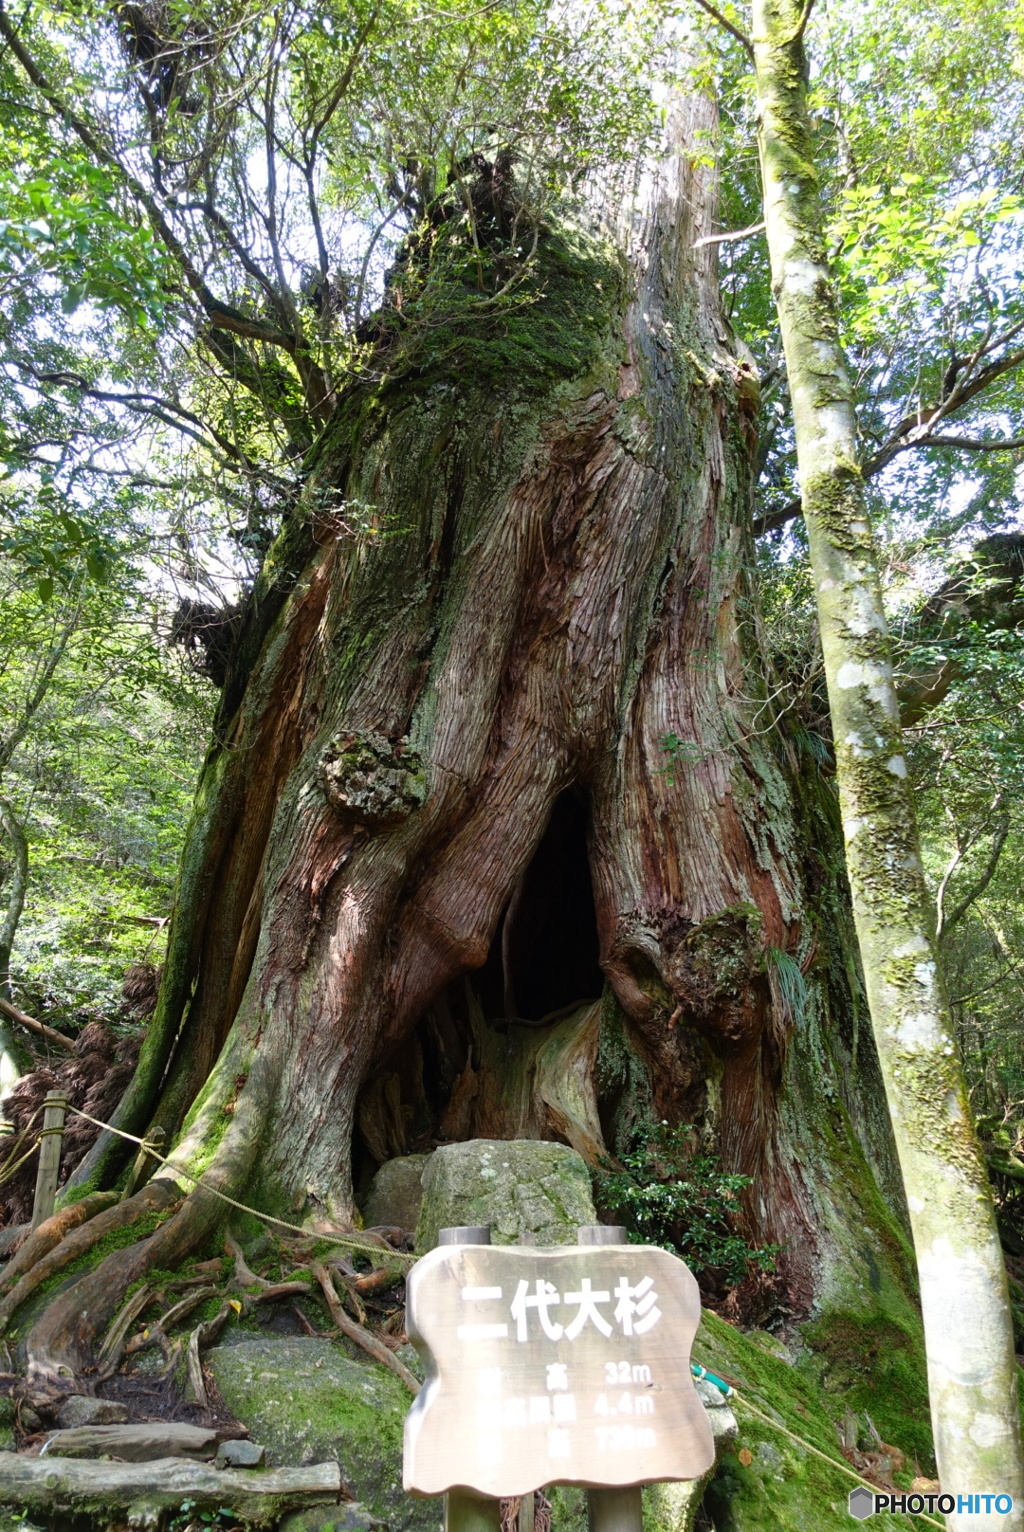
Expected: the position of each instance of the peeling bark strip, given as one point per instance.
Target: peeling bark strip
(971, 1366)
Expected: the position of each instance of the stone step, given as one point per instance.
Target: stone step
(141, 1442)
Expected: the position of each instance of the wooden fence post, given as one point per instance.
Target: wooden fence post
(54, 1108)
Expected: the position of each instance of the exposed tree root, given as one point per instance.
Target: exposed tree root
(60, 1344)
(377, 1281)
(245, 1278)
(157, 1196)
(275, 1290)
(202, 1336)
(184, 1306)
(50, 1234)
(63, 1347)
(113, 1347)
(348, 1327)
(153, 1335)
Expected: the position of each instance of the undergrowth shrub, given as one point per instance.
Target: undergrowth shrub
(667, 1193)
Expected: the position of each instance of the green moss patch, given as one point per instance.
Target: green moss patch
(309, 1403)
(767, 1482)
(878, 1366)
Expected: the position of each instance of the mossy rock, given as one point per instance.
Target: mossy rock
(520, 1187)
(6, 1425)
(309, 1403)
(352, 1517)
(395, 1194)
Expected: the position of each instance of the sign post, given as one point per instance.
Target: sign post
(465, 1512)
(611, 1510)
(567, 1365)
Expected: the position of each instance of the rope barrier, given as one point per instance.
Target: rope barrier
(729, 1392)
(7, 1170)
(350, 1242)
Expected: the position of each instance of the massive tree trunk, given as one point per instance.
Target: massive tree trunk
(502, 755)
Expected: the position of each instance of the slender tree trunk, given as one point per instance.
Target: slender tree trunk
(13, 1056)
(971, 1365)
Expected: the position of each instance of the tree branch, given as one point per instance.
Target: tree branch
(220, 223)
(272, 384)
(723, 21)
(222, 315)
(801, 26)
(972, 444)
(335, 98)
(918, 430)
(164, 410)
(959, 910)
(38, 1027)
(722, 239)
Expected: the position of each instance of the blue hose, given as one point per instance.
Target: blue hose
(710, 1377)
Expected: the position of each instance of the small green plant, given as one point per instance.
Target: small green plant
(682, 1200)
(187, 1516)
(788, 985)
(680, 752)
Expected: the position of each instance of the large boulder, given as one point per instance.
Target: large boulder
(521, 1187)
(396, 1194)
(309, 1403)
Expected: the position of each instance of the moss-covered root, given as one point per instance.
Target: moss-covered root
(50, 1234)
(79, 1241)
(61, 1344)
(972, 1371)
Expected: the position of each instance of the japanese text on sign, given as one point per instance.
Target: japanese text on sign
(635, 1312)
(566, 1365)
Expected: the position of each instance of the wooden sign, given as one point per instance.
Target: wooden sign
(553, 1366)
